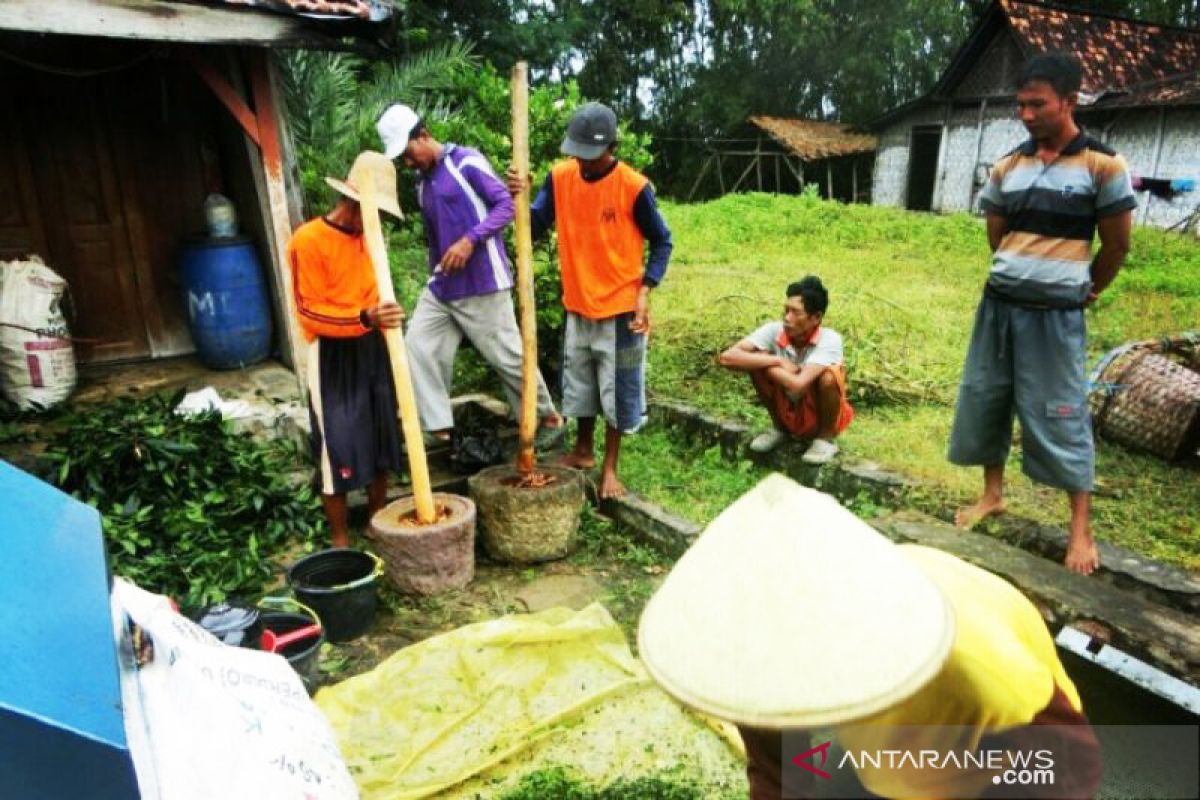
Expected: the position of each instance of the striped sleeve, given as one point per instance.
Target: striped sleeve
(991, 199)
(493, 193)
(1116, 187)
(317, 310)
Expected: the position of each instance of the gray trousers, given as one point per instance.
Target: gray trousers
(604, 371)
(433, 336)
(1029, 362)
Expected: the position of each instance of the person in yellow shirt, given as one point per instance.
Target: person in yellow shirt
(355, 437)
(790, 615)
(607, 222)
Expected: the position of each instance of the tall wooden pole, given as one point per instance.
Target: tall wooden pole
(410, 422)
(524, 240)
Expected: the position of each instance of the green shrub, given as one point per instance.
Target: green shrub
(334, 100)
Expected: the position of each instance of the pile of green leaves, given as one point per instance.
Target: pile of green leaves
(189, 508)
(562, 784)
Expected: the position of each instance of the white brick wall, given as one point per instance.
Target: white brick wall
(1134, 135)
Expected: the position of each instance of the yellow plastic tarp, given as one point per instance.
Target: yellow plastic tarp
(467, 713)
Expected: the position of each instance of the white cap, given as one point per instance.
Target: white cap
(395, 127)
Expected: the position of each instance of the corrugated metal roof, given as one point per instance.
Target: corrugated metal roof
(1115, 53)
(812, 139)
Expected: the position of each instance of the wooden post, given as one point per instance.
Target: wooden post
(1158, 147)
(410, 422)
(519, 87)
(758, 161)
(720, 174)
(742, 177)
(778, 182)
(264, 85)
(829, 176)
(797, 172)
(854, 179)
(700, 177)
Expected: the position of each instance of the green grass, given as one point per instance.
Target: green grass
(903, 289)
(695, 483)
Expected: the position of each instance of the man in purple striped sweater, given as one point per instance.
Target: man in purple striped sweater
(465, 208)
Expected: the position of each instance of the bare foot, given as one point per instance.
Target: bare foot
(968, 516)
(576, 460)
(1082, 555)
(610, 487)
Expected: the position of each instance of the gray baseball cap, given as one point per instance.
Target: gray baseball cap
(589, 133)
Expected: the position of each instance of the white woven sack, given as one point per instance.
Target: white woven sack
(37, 361)
(206, 721)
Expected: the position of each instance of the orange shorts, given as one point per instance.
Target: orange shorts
(800, 417)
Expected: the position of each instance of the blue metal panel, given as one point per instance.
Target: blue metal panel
(60, 698)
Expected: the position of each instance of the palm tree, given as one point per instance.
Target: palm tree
(333, 100)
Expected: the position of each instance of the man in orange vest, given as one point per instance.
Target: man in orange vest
(605, 214)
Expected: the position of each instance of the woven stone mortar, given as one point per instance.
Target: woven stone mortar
(525, 526)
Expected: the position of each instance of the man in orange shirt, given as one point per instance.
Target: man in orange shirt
(605, 214)
(352, 402)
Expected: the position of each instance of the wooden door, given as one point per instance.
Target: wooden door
(103, 173)
(21, 231)
(924, 146)
(79, 202)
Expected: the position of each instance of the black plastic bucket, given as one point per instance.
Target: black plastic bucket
(339, 585)
(302, 655)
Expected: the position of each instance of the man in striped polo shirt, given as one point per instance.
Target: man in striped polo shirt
(465, 208)
(1045, 201)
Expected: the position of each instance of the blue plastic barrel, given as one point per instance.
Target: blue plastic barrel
(226, 299)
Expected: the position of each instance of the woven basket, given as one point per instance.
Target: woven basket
(1146, 401)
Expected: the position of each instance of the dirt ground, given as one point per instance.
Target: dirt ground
(607, 567)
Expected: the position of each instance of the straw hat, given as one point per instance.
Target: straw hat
(790, 612)
(381, 172)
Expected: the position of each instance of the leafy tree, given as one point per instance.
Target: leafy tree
(1184, 13)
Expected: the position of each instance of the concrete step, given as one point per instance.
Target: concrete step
(1163, 636)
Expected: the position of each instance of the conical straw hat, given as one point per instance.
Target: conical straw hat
(791, 612)
(382, 172)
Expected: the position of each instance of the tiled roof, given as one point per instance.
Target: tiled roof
(1181, 90)
(373, 10)
(1115, 53)
(812, 139)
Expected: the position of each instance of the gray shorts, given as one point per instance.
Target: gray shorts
(604, 371)
(1027, 362)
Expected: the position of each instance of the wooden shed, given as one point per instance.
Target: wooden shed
(1140, 95)
(121, 117)
(833, 156)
